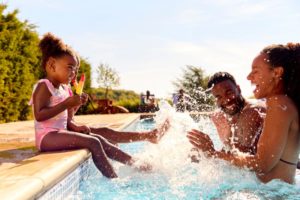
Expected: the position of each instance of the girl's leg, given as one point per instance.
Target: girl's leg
(67, 140)
(114, 152)
(125, 137)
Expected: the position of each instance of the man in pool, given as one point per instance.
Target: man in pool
(239, 123)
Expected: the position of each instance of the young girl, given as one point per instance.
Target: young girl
(51, 101)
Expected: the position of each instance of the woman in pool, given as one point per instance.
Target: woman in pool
(51, 102)
(275, 73)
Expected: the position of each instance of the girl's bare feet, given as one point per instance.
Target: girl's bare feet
(140, 166)
(156, 134)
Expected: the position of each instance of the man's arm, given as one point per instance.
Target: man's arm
(250, 126)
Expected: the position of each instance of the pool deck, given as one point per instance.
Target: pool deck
(26, 173)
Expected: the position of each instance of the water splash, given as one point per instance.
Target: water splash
(174, 176)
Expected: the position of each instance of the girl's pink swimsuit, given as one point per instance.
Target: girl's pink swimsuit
(56, 123)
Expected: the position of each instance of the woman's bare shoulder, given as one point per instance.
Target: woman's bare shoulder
(282, 104)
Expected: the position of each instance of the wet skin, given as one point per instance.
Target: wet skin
(280, 138)
(240, 123)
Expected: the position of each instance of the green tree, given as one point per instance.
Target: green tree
(194, 82)
(107, 77)
(19, 65)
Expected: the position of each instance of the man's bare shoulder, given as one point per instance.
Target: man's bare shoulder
(254, 109)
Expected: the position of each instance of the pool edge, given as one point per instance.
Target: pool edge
(19, 182)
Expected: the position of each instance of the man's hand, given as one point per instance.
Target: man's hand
(223, 127)
(218, 118)
(201, 141)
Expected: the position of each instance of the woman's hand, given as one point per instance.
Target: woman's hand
(201, 141)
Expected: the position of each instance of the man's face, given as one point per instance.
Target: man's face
(228, 97)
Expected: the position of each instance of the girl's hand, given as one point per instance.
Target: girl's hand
(201, 141)
(73, 101)
(82, 129)
(84, 98)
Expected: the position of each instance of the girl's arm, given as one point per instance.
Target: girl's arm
(72, 126)
(41, 98)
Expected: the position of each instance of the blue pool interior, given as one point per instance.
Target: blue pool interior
(158, 185)
(177, 180)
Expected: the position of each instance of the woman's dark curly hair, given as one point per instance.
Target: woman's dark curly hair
(288, 57)
(52, 46)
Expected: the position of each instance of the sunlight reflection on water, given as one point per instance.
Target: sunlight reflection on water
(174, 176)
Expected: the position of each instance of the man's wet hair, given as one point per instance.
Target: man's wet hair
(219, 77)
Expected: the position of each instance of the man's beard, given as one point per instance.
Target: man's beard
(239, 104)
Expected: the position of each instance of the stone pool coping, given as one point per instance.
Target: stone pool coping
(27, 176)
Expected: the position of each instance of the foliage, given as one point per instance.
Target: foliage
(107, 77)
(19, 66)
(194, 83)
(126, 98)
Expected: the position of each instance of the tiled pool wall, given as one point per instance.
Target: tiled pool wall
(68, 187)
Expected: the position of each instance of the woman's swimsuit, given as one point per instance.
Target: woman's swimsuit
(287, 162)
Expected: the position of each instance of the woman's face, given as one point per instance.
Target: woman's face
(262, 77)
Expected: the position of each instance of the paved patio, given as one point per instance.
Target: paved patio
(25, 173)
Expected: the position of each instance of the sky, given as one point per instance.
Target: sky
(149, 43)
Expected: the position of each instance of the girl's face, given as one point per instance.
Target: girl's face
(65, 69)
(262, 76)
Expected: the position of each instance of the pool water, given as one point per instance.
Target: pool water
(174, 176)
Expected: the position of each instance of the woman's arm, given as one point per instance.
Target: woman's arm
(272, 140)
(271, 143)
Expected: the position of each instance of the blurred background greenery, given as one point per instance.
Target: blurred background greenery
(20, 69)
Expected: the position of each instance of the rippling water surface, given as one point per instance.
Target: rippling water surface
(174, 176)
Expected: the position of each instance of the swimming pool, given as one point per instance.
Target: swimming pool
(173, 175)
(176, 178)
